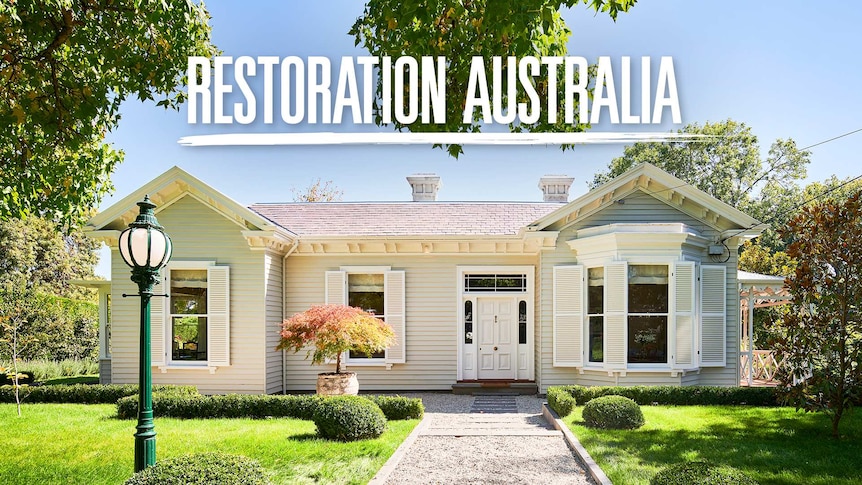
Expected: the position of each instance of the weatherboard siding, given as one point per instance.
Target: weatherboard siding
(431, 307)
(200, 234)
(274, 317)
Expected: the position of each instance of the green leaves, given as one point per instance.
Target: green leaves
(65, 68)
(460, 30)
(822, 335)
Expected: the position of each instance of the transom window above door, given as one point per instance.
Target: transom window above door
(497, 283)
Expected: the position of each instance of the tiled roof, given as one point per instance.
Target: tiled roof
(405, 218)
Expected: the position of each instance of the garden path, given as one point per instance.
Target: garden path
(486, 439)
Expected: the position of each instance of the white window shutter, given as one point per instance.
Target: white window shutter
(569, 299)
(394, 310)
(616, 307)
(336, 288)
(713, 327)
(683, 314)
(158, 317)
(218, 310)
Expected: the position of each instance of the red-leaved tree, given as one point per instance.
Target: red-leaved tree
(821, 337)
(333, 330)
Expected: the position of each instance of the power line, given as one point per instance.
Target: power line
(797, 206)
(832, 139)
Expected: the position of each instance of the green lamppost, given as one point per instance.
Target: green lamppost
(146, 248)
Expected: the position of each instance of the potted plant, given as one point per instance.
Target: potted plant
(332, 330)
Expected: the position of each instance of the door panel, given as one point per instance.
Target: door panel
(496, 338)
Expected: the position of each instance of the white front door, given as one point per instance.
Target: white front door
(497, 320)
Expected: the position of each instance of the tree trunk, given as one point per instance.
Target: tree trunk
(338, 363)
(836, 418)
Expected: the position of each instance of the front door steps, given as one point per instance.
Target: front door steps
(490, 387)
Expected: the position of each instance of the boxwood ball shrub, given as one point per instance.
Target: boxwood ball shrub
(700, 473)
(349, 418)
(203, 469)
(613, 412)
(561, 401)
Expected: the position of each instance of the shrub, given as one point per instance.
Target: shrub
(349, 418)
(679, 395)
(561, 401)
(396, 408)
(700, 473)
(84, 393)
(45, 369)
(8, 379)
(613, 412)
(171, 405)
(202, 468)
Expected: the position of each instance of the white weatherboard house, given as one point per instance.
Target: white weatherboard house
(633, 283)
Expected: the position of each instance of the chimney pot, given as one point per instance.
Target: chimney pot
(425, 186)
(555, 188)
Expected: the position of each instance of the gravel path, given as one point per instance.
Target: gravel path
(462, 447)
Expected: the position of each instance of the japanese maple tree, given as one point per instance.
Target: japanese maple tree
(332, 330)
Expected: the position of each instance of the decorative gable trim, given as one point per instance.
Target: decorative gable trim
(657, 183)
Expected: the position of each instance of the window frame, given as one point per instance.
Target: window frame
(346, 359)
(667, 316)
(587, 340)
(169, 325)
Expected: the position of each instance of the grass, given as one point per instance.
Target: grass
(772, 445)
(87, 444)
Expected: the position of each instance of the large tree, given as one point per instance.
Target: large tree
(727, 164)
(460, 30)
(37, 254)
(821, 336)
(65, 68)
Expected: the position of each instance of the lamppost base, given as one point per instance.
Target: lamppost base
(145, 450)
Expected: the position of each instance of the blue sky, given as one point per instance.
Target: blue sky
(788, 70)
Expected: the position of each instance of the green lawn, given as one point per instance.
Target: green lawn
(772, 445)
(87, 444)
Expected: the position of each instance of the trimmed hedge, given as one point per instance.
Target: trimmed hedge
(700, 473)
(85, 393)
(613, 412)
(256, 406)
(349, 418)
(679, 395)
(24, 377)
(561, 401)
(397, 408)
(203, 469)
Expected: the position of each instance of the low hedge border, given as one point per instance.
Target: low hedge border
(257, 406)
(85, 393)
(678, 395)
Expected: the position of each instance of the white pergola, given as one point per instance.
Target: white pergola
(757, 291)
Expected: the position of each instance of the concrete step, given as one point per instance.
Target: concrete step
(495, 388)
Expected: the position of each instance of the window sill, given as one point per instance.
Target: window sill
(197, 367)
(640, 370)
(375, 363)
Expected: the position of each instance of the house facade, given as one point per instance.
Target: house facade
(633, 283)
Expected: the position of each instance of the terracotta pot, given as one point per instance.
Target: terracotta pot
(332, 384)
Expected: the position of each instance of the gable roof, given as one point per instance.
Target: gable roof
(653, 181)
(170, 187)
(405, 219)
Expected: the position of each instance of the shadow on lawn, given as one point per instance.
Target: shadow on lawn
(771, 450)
